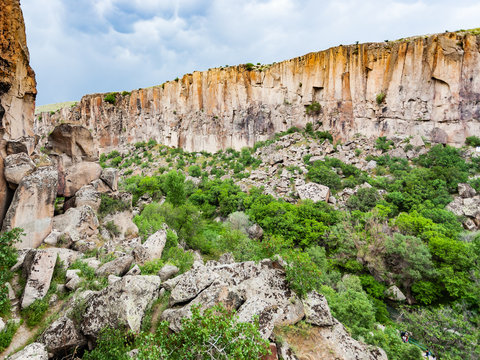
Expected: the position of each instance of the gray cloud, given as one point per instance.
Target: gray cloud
(86, 46)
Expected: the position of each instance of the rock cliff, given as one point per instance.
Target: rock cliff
(410, 87)
(17, 79)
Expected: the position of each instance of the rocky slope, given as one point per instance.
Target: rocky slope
(422, 85)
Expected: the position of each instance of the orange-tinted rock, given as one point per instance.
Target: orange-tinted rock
(17, 79)
(421, 83)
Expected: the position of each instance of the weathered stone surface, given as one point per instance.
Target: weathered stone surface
(471, 207)
(331, 343)
(317, 311)
(167, 271)
(17, 166)
(417, 141)
(110, 177)
(466, 191)
(255, 232)
(439, 136)
(152, 248)
(40, 265)
(426, 81)
(118, 267)
(78, 175)
(73, 140)
(314, 192)
(122, 303)
(124, 223)
(34, 351)
(191, 283)
(32, 207)
(397, 153)
(134, 271)
(395, 294)
(24, 144)
(62, 336)
(17, 79)
(52, 238)
(77, 223)
(87, 195)
(66, 256)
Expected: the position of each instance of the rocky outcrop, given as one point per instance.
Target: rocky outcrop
(17, 79)
(35, 351)
(152, 248)
(17, 166)
(39, 266)
(418, 86)
(78, 175)
(121, 304)
(74, 141)
(32, 207)
(62, 336)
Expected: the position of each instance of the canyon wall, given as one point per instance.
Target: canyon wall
(424, 85)
(17, 87)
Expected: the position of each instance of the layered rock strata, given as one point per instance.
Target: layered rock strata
(422, 85)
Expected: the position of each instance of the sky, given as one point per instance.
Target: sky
(80, 47)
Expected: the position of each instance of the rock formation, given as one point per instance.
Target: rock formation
(422, 85)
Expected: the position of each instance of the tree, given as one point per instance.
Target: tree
(175, 188)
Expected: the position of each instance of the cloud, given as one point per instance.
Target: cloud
(91, 46)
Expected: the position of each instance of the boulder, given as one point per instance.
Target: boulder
(101, 187)
(52, 238)
(255, 232)
(417, 141)
(134, 271)
(439, 136)
(77, 223)
(32, 207)
(466, 191)
(118, 267)
(317, 311)
(124, 223)
(122, 303)
(314, 192)
(191, 284)
(110, 177)
(39, 266)
(62, 336)
(397, 153)
(168, 271)
(24, 144)
(34, 351)
(78, 175)
(152, 248)
(471, 207)
(17, 166)
(113, 278)
(75, 141)
(66, 256)
(395, 294)
(87, 195)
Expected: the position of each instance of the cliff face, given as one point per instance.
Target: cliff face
(407, 87)
(17, 79)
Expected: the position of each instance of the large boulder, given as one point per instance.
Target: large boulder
(124, 223)
(75, 141)
(317, 311)
(17, 166)
(32, 207)
(62, 336)
(110, 177)
(39, 266)
(152, 248)
(87, 195)
(466, 191)
(34, 351)
(314, 192)
(123, 303)
(24, 144)
(77, 223)
(117, 267)
(78, 175)
(395, 294)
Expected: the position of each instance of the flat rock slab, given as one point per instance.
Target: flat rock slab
(39, 276)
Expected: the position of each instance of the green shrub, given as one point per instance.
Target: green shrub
(110, 205)
(364, 200)
(324, 135)
(249, 66)
(472, 141)
(380, 98)
(112, 228)
(111, 345)
(126, 93)
(111, 98)
(34, 313)
(195, 171)
(313, 109)
(383, 144)
(309, 128)
(8, 258)
(7, 334)
(321, 174)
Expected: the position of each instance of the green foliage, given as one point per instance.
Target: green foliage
(111, 98)
(380, 98)
(110, 205)
(112, 228)
(126, 93)
(364, 200)
(150, 220)
(313, 109)
(309, 128)
(214, 334)
(390, 341)
(249, 66)
(195, 171)
(383, 144)
(175, 187)
(324, 135)
(8, 258)
(321, 174)
(302, 274)
(472, 141)
(34, 313)
(7, 334)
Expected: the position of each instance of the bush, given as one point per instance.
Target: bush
(364, 200)
(383, 144)
(472, 141)
(249, 66)
(8, 258)
(7, 334)
(110, 205)
(380, 98)
(324, 135)
(195, 171)
(321, 174)
(313, 109)
(111, 98)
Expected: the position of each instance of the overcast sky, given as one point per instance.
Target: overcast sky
(85, 46)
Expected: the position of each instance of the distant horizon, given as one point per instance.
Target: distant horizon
(114, 45)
